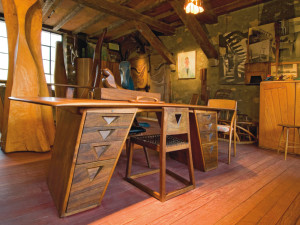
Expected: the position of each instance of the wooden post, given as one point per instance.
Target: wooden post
(26, 127)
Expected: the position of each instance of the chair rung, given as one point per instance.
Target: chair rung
(177, 177)
(179, 192)
(144, 188)
(144, 174)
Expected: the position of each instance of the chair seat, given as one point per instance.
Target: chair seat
(223, 128)
(155, 140)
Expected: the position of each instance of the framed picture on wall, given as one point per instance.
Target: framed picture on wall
(186, 65)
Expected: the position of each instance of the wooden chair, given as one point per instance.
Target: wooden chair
(175, 121)
(229, 129)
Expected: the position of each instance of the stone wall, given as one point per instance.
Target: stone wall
(246, 95)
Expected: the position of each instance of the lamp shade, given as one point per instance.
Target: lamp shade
(193, 6)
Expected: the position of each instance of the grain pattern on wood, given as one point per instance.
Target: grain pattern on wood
(127, 14)
(60, 75)
(277, 106)
(120, 94)
(155, 42)
(84, 75)
(61, 165)
(196, 30)
(28, 127)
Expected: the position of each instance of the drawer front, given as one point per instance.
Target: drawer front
(208, 137)
(207, 126)
(88, 184)
(99, 134)
(210, 154)
(207, 117)
(98, 151)
(107, 119)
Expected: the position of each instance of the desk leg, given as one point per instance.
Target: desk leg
(86, 150)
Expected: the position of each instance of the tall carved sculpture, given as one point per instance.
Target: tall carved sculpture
(26, 127)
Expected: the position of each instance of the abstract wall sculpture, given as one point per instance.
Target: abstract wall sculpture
(26, 127)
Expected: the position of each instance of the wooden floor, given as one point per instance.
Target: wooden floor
(259, 187)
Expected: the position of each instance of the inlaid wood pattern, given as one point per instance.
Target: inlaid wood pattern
(207, 128)
(98, 151)
(104, 132)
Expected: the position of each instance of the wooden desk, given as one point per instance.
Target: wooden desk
(89, 139)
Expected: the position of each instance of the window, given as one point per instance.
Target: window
(48, 53)
(3, 51)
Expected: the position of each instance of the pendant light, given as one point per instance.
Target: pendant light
(193, 6)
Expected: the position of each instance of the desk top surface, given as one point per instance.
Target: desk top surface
(91, 103)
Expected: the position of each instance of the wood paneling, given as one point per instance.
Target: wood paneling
(297, 117)
(277, 105)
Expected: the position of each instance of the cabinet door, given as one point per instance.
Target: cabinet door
(297, 117)
(277, 105)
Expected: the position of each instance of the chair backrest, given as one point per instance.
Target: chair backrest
(175, 121)
(194, 99)
(222, 103)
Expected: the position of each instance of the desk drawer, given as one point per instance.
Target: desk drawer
(210, 154)
(99, 134)
(88, 184)
(91, 152)
(107, 119)
(207, 127)
(207, 117)
(208, 137)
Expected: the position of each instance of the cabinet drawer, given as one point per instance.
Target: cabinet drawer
(107, 119)
(99, 134)
(91, 152)
(210, 154)
(208, 137)
(206, 118)
(88, 184)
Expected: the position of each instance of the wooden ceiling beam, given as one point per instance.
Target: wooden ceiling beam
(236, 5)
(196, 29)
(127, 14)
(48, 7)
(96, 19)
(154, 42)
(72, 12)
(123, 29)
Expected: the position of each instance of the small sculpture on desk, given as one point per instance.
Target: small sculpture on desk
(108, 79)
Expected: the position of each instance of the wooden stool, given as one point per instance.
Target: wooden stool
(287, 126)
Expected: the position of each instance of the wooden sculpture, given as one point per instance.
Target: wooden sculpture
(96, 69)
(26, 127)
(60, 75)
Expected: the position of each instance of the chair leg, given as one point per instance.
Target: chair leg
(229, 146)
(234, 138)
(147, 156)
(162, 180)
(281, 135)
(286, 143)
(129, 159)
(191, 167)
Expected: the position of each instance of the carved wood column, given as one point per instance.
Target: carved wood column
(26, 127)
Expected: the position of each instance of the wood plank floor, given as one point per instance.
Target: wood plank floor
(259, 187)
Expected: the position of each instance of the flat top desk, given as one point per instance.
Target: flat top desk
(89, 138)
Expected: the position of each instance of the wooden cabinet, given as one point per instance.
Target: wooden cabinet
(279, 103)
(86, 149)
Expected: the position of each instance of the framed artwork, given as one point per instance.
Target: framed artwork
(233, 55)
(262, 46)
(186, 65)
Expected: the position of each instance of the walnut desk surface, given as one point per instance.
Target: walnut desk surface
(91, 103)
(90, 135)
